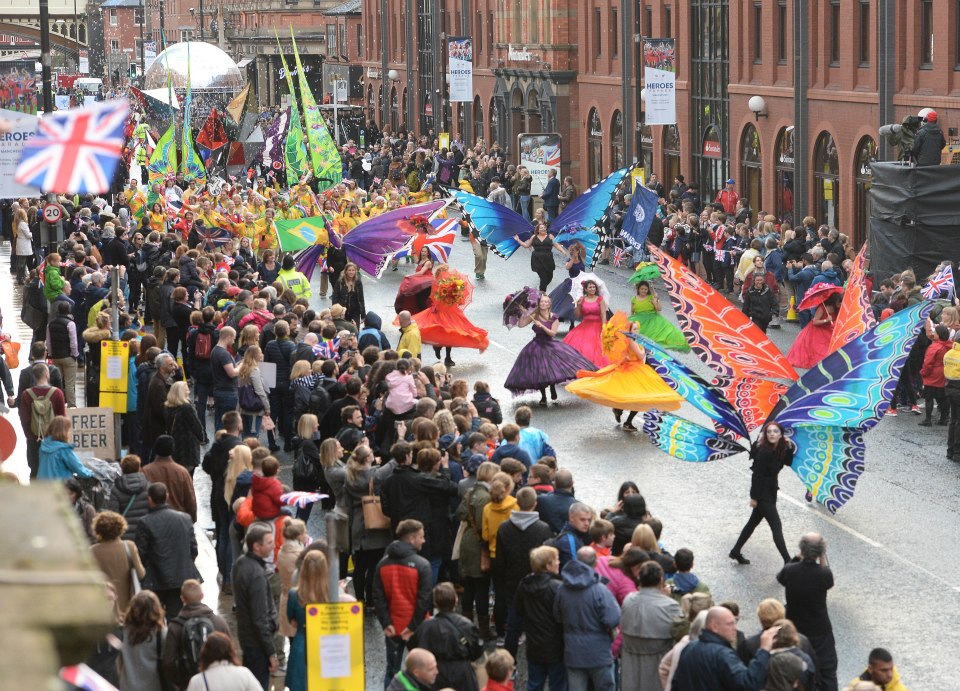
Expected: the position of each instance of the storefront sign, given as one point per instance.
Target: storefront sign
(712, 149)
(460, 60)
(519, 54)
(660, 80)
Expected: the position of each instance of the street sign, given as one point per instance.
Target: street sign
(52, 213)
(340, 90)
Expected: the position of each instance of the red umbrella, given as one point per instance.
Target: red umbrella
(817, 295)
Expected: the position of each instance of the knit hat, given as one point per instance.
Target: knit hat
(107, 211)
(85, 212)
(108, 231)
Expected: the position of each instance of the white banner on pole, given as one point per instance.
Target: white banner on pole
(539, 154)
(660, 81)
(23, 127)
(460, 61)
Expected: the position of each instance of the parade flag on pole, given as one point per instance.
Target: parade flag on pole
(943, 281)
(212, 135)
(294, 151)
(300, 233)
(239, 104)
(639, 216)
(327, 168)
(75, 151)
(164, 159)
(192, 164)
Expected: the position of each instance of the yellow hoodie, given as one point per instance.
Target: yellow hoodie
(493, 515)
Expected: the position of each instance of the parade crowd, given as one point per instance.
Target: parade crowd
(467, 540)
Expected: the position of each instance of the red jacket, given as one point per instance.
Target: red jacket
(497, 686)
(932, 370)
(266, 493)
(402, 587)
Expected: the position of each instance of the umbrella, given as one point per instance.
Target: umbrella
(646, 271)
(517, 304)
(817, 295)
(301, 499)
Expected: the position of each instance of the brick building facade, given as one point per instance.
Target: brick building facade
(830, 73)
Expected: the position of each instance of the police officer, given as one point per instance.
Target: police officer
(290, 278)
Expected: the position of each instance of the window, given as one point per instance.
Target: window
(782, 31)
(489, 31)
(785, 171)
(597, 45)
(113, 17)
(834, 33)
(614, 33)
(533, 21)
(359, 39)
(594, 147)
(671, 153)
(616, 141)
(926, 33)
(863, 177)
(757, 32)
(186, 35)
(478, 32)
(343, 39)
(826, 180)
(516, 21)
(667, 21)
(865, 30)
(646, 150)
(114, 45)
(138, 16)
(477, 118)
(332, 39)
(648, 21)
(751, 167)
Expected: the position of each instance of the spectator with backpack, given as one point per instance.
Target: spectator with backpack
(487, 406)
(186, 634)
(199, 346)
(38, 405)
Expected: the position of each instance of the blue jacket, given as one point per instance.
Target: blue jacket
(774, 264)
(551, 194)
(711, 664)
(59, 462)
(534, 442)
(803, 278)
(829, 276)
(588, 613)
(554, 508)
(507, 450)
(569, 541)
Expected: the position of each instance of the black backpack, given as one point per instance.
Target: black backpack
(305, 473)
(319, 401)
(195, 632)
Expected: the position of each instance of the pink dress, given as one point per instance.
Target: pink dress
(813, 342)
(585, 338)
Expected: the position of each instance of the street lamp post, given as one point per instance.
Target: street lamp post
(76, 36)
(143, 19)
(201, 20)
(384, 39)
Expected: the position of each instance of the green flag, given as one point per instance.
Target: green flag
(163, 162)
(294, 150)
(192, 164)
(301, 233)
(327, 168)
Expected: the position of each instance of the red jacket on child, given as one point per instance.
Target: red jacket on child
(932, 371)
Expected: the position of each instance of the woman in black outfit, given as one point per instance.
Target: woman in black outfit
(541, 261)
(770, 453)
(348, 292)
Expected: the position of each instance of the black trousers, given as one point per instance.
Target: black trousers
(936, 394)
(364, 565)
(953, 437)
(826, 649)
(764, 510)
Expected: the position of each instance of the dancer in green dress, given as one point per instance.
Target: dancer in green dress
(646, 312)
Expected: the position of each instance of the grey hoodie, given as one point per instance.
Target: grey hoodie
(524, 519)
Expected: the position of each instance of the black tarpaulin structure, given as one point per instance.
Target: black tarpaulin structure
(914, 218)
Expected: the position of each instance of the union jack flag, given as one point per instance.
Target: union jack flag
(212, 237)
(620, 254)
(75, 151)
(943, 281)
(85, 678)
(439, 243)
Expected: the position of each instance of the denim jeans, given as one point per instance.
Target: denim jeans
(223, 403)
(395, 649)
(251, 425)
(435, 564)
(597, 678)
(525, 206)
(538, 675)
(202, 391)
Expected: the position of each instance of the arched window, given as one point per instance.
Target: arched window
(863, 177)
(496, 118)
(394, 110)
(785, 171)
(477, 119)
(751, 167)
(616, 141)
(594, 147)
(826, 180)
(712, 163)
(671, 154)
(83, 33)
(534, 119)
(646, 151)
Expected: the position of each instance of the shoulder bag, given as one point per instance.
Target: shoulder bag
(134, 578)
(373, 516)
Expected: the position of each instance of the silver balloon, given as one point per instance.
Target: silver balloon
(210, 68)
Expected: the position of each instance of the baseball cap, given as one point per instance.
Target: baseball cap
(731, 181)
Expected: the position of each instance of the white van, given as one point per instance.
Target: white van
(90, 87)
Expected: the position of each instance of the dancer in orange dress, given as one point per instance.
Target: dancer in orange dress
(813, 342)
(629, 383)
(443, 324)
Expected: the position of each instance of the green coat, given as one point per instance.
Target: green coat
(470, 542)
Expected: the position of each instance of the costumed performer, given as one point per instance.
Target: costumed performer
(414, 292)
(813, 341)
(544, 362)
(646, 313)
(585, 338)
(443, 324)
(561, 296)
(770, 453)
(542, 263)
(629, 383)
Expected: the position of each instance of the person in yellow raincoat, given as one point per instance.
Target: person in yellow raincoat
(266, 233)
(629, 383)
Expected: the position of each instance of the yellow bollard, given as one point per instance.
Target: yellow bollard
(792, 311)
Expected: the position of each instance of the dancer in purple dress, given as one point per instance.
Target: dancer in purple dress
(544, 362)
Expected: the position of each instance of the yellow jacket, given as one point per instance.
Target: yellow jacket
(410, 340)
(295, 281)
(493, 515)
(894, 685)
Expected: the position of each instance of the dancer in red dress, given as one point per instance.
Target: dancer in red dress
(813, 341)
(443, 324)
(414, 292)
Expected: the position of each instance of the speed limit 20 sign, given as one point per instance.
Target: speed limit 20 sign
(52, 213)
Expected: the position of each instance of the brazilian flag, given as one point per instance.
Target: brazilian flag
(300, 233)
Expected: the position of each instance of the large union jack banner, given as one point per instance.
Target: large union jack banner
(75, 151)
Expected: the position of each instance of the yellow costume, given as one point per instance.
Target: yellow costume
(630, 383)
